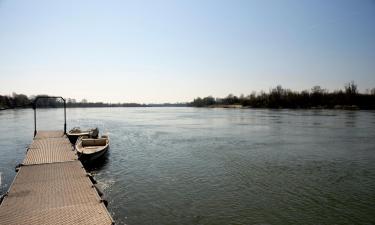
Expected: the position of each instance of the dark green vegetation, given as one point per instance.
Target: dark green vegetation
(278, 97)
(22, 101)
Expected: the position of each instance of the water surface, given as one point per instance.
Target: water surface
(220, 166)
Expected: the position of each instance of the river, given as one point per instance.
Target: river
(220, 166)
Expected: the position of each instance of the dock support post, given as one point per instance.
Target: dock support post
(34, 107)
(64, 115)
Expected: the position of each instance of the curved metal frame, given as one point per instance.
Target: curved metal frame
(34, 107)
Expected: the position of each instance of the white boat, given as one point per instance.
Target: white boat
(89, 149)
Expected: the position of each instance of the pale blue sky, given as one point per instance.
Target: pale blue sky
(173, 51)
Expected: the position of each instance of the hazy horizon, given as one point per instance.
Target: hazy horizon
(175, 51)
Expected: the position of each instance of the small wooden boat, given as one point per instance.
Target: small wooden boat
(89, 149)
(76, 132)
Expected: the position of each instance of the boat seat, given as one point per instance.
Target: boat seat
(94, 142)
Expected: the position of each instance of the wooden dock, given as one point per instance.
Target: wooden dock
(52, 187)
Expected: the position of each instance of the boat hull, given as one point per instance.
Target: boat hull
(92, 156)
(73, 137)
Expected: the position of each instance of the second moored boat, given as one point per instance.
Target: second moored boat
(76, 132)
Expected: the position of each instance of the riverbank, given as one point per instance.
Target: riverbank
(226, 106)
(237, 106)
(317, 97)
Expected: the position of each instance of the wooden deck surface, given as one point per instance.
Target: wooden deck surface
(52, 187)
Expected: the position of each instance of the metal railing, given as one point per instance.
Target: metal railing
(35, 105)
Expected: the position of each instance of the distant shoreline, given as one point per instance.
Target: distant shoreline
(22, 101)
(107, 106)
(280, 98)
(235, 106)
(337, 107)
(277, 98)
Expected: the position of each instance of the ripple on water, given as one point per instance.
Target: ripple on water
(215, 166)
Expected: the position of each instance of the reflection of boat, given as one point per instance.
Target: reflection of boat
(92, 148)
(76, 132)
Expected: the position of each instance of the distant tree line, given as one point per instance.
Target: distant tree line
(278, 97)
(14, 101)
(22, 101)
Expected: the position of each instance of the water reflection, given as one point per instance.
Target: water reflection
(98, 164)
(350, 118)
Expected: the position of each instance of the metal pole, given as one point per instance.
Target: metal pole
(64, 116)
(34, 107)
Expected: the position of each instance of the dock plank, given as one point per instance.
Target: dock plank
(49, 134)
(49, 150)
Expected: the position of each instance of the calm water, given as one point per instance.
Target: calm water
(221, 166)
